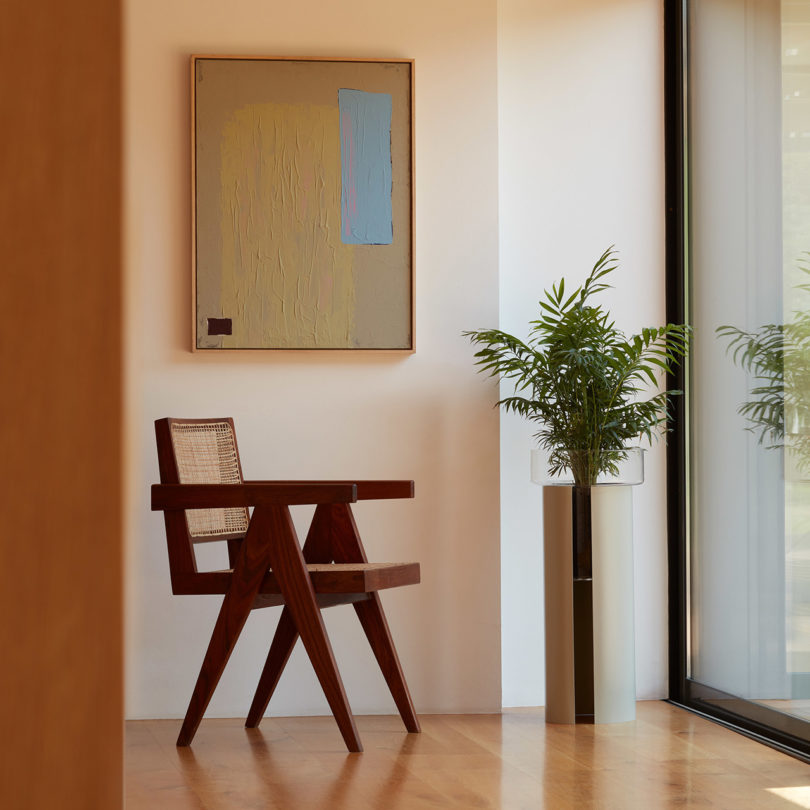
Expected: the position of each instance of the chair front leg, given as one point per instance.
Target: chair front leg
(317, 549)
(252, 563)
(287, 561)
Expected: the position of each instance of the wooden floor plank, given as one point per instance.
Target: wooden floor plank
(666, 758)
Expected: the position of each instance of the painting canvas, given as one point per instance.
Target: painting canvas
(302, 198)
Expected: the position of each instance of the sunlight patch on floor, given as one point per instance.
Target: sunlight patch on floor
(800, 796)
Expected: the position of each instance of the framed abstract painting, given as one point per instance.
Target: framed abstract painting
(302, 203)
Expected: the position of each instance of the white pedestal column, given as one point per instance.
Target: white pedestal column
(614, 666)
(614, 653)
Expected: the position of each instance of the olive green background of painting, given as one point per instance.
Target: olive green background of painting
(381, 273)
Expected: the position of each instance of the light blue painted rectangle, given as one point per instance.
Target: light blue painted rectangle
(365, 157)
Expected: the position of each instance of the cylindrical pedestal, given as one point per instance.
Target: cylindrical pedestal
(590, 650)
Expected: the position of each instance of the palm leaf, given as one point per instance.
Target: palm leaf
(580, 377)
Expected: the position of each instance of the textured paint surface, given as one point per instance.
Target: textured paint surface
(365, 146)
(294, 103)
(286, 275)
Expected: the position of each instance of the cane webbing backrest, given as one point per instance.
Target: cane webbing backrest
(205, 453)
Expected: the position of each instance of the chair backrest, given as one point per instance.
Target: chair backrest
(199, 451)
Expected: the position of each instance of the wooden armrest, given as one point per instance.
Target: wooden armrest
(168, 497)
(366, 490)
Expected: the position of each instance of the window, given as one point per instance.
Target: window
(738, 186)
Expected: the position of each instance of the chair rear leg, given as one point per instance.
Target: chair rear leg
(372, 618)
(348, 547)
(283, 642)
(251, 565)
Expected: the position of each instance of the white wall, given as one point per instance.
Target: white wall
(579, 109)
(426, 417)
(581, 167)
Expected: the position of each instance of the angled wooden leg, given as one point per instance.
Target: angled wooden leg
(379, 637)
(348, 547)
(287, 561)
(317, 549)
(252, 563)
(280, 650)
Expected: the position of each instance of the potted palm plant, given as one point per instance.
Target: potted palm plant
(587, 386)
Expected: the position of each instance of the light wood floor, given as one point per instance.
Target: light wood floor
(666, 758)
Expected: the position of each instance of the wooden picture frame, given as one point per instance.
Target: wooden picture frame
(302, 203)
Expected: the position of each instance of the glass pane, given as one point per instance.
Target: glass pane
(749, 398)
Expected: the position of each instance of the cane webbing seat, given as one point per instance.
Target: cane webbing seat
(204, 498)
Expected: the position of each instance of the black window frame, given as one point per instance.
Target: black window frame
(774, 728)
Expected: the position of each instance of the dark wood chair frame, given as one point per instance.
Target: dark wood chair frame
(269, 567)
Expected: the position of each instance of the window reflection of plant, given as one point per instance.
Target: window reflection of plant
(778, 356)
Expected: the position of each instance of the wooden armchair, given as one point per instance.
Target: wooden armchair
(204, 498)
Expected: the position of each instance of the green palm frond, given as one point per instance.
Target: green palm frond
(580, 378)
